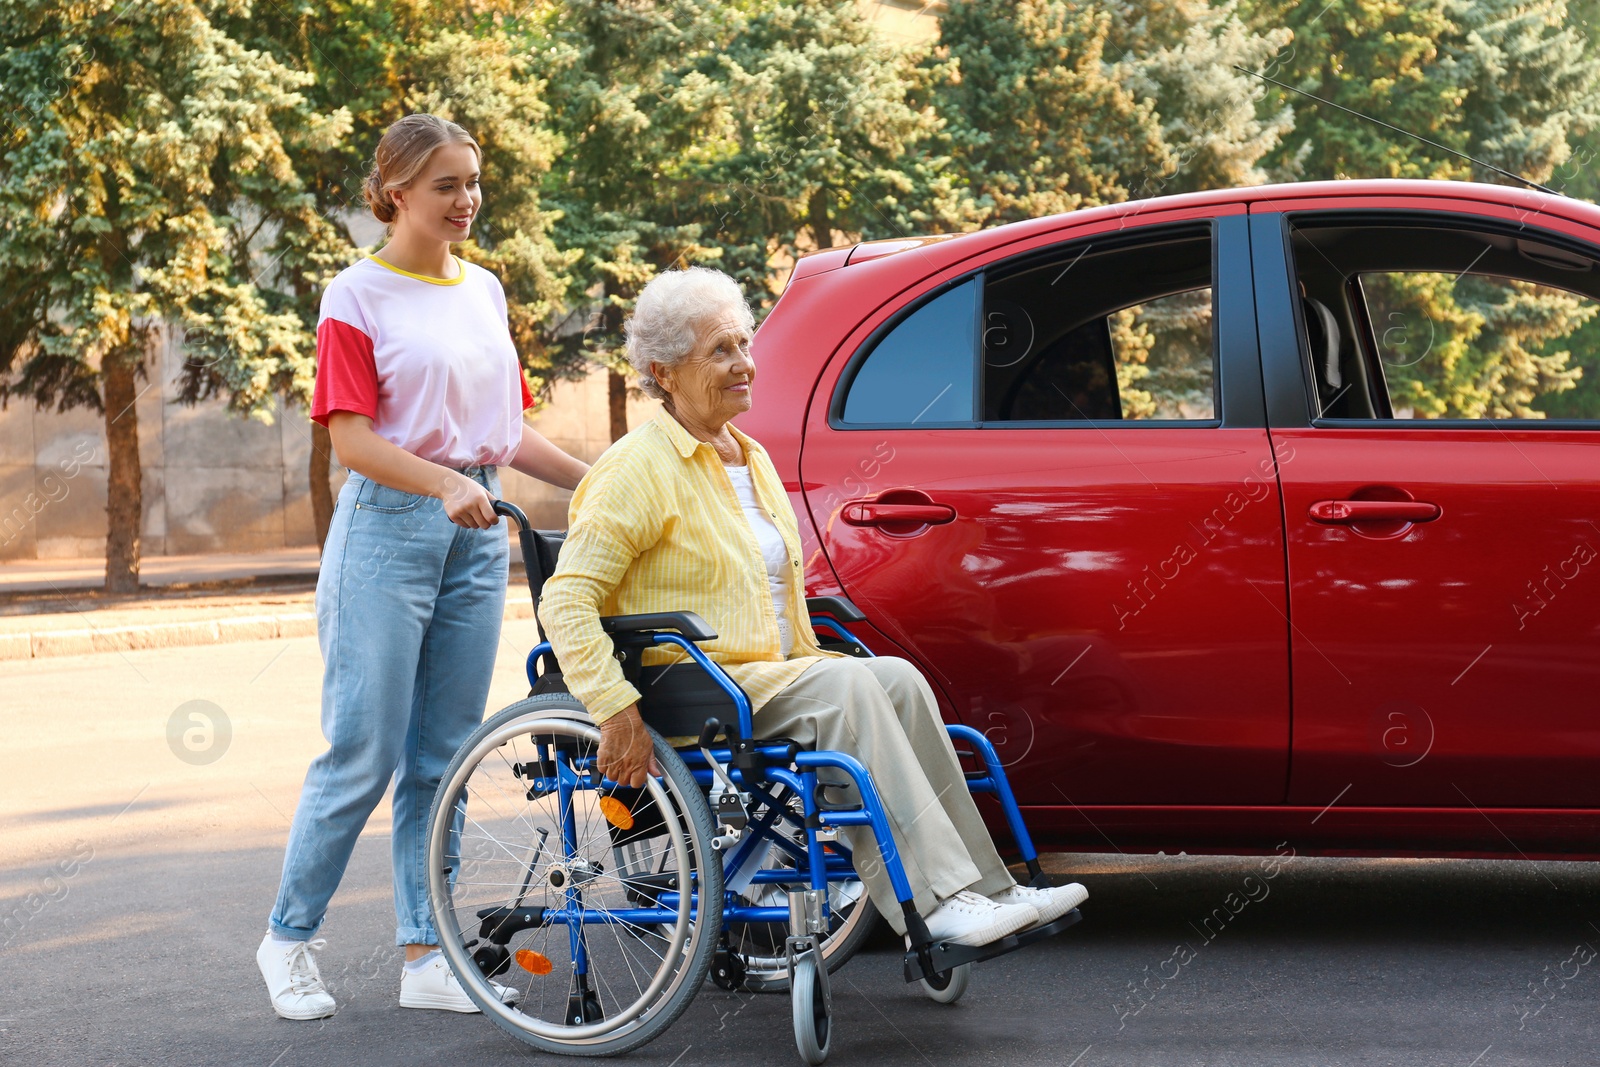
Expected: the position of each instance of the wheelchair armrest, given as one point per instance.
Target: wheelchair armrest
(686, 623)
(839, 607)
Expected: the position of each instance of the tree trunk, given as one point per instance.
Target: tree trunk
(321, 491)
(124, 493)
(817, 217)
(617, 394)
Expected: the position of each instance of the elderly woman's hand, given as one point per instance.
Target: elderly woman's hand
(627, 755)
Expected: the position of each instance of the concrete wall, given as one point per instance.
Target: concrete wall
(215, 482)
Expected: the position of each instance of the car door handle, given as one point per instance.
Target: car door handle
(1347, 512)
(871, 513)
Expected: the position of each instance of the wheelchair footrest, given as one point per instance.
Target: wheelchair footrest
(944, 956)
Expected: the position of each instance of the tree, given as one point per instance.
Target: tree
(635, 110)
(1058, 104)
(1182, 56)
(1038, 121)
(833, 131)
(147, 136)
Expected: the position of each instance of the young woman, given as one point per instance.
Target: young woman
(419, 386)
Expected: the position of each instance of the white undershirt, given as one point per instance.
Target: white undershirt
(773, 551)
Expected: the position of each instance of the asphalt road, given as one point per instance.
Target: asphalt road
(138, 870)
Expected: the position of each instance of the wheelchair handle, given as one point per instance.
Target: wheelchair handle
(511, 511)
(532, 564)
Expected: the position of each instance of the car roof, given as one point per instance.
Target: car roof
(942, 249)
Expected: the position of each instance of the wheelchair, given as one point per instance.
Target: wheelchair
(606, 908)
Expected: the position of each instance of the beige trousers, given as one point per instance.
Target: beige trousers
(882, 712)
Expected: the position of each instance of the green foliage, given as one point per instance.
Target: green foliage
(636, 113)
(1482, 347)
(1039, 122)
(830, 130)
(146, 151)
(1057, 104)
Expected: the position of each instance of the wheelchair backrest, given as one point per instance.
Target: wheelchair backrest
(546, 547)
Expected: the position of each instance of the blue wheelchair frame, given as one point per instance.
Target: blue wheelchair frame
(794, 771)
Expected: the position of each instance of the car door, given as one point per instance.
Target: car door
(1047, 479)
(1439, 464)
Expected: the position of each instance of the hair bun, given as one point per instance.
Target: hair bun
(379, 202)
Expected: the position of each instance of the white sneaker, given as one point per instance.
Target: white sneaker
(436, 986)
(1051, 903)
(293, 981)
(970, 919)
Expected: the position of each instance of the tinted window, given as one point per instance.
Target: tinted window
(921, 372)
(1119, 334)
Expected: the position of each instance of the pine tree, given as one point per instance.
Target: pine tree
(1056, 104)
(1183, 56)
(832, 133)
(1038, 121)
(634, 109)
(141, 140)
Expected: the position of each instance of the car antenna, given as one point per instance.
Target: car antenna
(1486, 166)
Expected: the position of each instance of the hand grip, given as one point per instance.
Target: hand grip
(872, 514)
(709, 732)
(1347, 512)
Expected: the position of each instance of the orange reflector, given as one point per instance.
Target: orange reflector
(534, 962)
(616, 813)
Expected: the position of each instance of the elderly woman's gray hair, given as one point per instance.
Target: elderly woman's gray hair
(662, 329)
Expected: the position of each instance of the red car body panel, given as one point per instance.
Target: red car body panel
(1283, 688)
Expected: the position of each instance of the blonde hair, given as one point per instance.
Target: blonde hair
(402, 153)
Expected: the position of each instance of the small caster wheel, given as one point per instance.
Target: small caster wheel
(492, 960)
(808, 996)
(727, 970)
(952, 984)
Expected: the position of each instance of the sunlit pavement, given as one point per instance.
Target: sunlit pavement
(139, 867)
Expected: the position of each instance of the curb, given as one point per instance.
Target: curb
(42, 643)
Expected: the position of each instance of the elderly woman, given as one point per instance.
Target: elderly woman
(686, 513)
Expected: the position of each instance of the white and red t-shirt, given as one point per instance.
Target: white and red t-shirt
(430, 361)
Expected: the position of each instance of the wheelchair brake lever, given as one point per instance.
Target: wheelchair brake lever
(729, 804)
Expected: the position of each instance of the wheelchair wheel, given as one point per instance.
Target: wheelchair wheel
(956, 980)
(525, 890)
(813, 1025)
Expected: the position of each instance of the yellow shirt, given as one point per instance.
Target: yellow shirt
(656, 526)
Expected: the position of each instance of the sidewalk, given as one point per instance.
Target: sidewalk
(181, 610)
(65, 575)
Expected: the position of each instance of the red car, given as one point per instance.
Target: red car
(1231, 518)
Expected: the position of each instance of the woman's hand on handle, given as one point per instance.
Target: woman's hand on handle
(627, 755)
(467, 503)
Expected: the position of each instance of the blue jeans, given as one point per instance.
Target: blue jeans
(408, 616)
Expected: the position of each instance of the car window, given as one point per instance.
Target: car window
(1442, 321)
(1116, 334)
(921, 372)
(1473, 346)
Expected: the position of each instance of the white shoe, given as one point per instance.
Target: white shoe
(436, 986)
(293, 981)
(970, 919)
(1051, 903)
